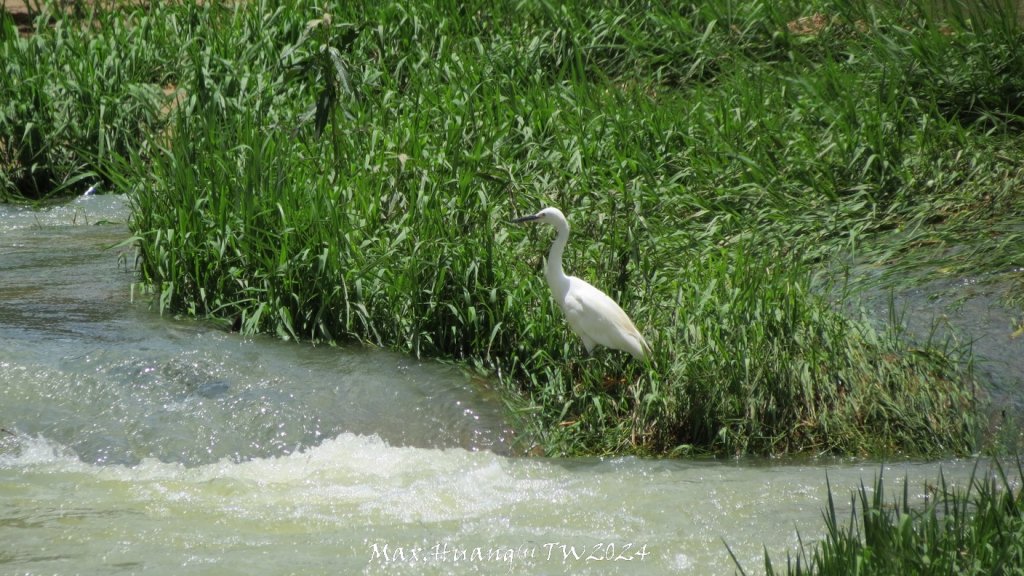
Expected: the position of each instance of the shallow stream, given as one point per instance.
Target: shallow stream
(133, 443)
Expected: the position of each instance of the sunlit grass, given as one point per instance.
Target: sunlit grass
(350, 176)
(972, 529)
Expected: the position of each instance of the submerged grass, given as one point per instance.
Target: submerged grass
(349, 174)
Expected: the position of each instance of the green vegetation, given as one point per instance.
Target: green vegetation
(974, 530)
(71, 98)
(349, 175)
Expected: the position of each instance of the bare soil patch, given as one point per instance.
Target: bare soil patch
(21, 14)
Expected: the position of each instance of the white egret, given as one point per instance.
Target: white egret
(595, 317)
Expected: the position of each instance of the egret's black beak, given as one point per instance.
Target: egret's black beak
(529, 218)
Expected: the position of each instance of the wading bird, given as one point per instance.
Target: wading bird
(595, 317)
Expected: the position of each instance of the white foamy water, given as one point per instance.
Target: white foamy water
(354, 504)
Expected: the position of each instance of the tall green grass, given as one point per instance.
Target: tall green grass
(71, 95)
(973, 529)
(349, 174)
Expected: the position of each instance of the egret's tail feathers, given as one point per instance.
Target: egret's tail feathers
(643, 350)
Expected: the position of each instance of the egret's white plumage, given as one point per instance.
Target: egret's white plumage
(591, 314)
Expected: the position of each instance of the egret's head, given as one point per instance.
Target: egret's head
(549, 215)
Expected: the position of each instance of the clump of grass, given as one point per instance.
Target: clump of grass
(72, 95)
(349, 176)
(972, 530)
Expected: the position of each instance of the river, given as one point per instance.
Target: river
(136, 443)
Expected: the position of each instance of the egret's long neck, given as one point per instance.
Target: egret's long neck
(557, 279)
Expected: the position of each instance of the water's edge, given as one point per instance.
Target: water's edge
(133, 443)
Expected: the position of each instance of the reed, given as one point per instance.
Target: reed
(972, 529)
(70, 98)
(349, 176)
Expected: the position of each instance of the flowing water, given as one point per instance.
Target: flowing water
(133, 443)
(958, 312)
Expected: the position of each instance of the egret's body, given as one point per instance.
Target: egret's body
(591, 314)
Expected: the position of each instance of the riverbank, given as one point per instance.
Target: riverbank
(350, 176)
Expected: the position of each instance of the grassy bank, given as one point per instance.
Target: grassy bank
(350, 174)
